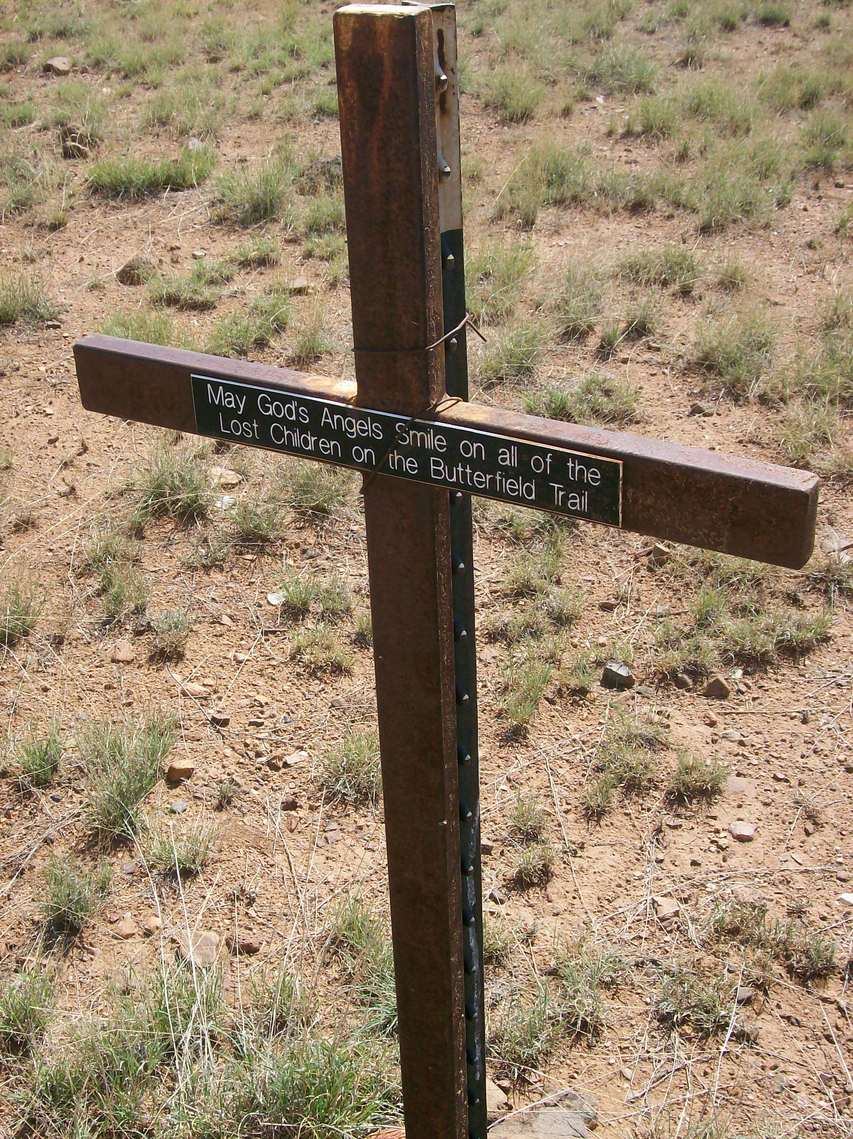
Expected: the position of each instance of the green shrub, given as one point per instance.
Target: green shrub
(133, 178)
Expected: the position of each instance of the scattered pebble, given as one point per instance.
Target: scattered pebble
(201, 948)
(178, 806)
(58, 65)
(180, 770)
(295, 758)
(717, 688)
(846, 899)
(136, 271)
(665, 909)
(220, 719)
(743, 832)
(224, 477)
(682, 681)
(126, 928)
(617, 675)
(123, 653)
(243, 944)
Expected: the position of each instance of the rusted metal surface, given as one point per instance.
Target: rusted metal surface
(683, 494)
(386, 89)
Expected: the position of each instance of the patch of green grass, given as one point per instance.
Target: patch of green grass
(826, 139)
(361, 940)
(511, 355)
(79, 114)
(174, 484)
(122, 763)
(324, 214)
(19, 612)
(717, 102)
(324, 103)
(151, 327)
(528, 819)
(312, 489)
(695, 778)
(321, 650)
(790, 87)
(668, 266)
(513, 92)
(578, 303)
(239, 333)
(350, 771)
(731, 276)
(14, 53)
(23, 299)
(180, 849)
(639, 321)
(249, 197)
(583, 972)
(597, 398)
(736, 351)
(653, 116)
(621, 68)
(813, 432)
(38, 758)
(495, 276)
(579, 675)
(14, 115)
(625, 762)
(773, 14)
(686, 1000)
(310, 341)
(72, 895)
(549, 175)
(742, 180)
(525, 682)
(498, 941)
(131, 178)
(170, 631)
(258, 521)
(259, 253)
(196, 291)
(194, 107)
(806, 954)
(26, 1003)
(123, 590)
(526, 1030)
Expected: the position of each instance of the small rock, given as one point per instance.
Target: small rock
(201, 948)
(846, 899)
(746, 1029)
(299, 286)
(617, 675)
(243, 944)
(295, 758)
(199, 254)
(151, 924)
(180, 770)
(220, 719)
(126, 928)
(496, 1100)
(178, 806)
(744, 994)
(136, 271)
(700, 409)
(665, 909)
(276, 599)
(608, 606)
(58, 65)
(717, 689)
(224, 477)
(565, 1115)
(290, 803)
(660, 554)
(195, 690)
(682, 681)
(123, 653)
(743, 832)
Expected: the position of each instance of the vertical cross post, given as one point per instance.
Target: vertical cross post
(386, 84)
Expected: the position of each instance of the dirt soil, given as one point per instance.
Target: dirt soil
(283, 854)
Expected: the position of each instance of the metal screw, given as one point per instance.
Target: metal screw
(452, 344)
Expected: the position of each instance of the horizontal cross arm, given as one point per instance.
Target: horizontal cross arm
(684, 494)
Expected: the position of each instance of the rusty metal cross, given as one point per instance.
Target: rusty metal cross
(424, 449)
